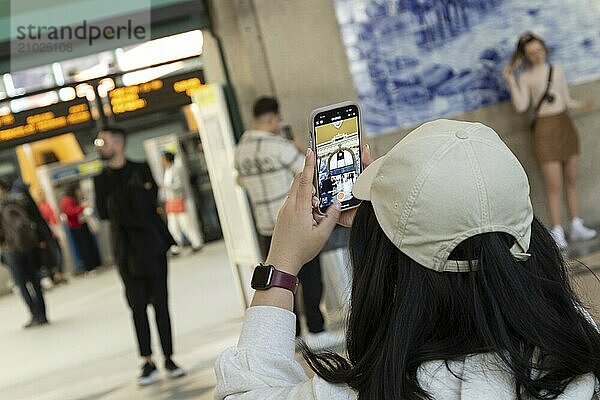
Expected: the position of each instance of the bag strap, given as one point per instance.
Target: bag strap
(539, 104)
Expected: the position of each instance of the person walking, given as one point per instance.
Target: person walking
(52, 257)
(126, 195)
(84, 240)
(267, 163)
(458, 293)
(543, 87)
(20, 245)
(178, 219)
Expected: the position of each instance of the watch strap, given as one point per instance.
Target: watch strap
(284, 280)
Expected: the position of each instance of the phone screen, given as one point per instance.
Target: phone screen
(337, 146)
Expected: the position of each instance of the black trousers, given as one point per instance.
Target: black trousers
(51, 257)
(25, 269)
(312, 290)
(141, 292)
(87, 247)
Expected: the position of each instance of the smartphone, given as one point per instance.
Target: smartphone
(335, 138)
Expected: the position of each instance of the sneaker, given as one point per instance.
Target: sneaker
(197, 249)
(36, 322)
(323, 340)
(558, 234)
(31, 324)
(91, 273)
(149, 374)
(580, 232)
(174, 251)
(173, 370)
(46, 283)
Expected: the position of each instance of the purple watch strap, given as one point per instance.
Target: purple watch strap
(284, 280)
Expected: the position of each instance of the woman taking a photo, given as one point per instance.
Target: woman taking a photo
(458, 291)
(543, 87)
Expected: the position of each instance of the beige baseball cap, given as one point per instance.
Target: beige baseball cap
(444, 182)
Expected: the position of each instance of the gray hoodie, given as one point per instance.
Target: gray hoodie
(262, 367)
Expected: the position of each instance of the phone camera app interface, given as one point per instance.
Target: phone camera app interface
(338, 155)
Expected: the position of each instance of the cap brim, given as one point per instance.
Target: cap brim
(362, 186)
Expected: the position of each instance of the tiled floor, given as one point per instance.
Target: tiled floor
(88, 351)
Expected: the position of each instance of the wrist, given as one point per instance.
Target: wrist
(274, 297)
(283, 264)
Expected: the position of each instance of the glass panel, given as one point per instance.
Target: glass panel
(33, 79)
(161, 50)
(30, 102)
(89, 67)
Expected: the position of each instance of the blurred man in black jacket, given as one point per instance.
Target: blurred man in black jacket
(126, 194)
(21, 240)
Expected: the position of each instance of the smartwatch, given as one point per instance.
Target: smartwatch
(267, 276)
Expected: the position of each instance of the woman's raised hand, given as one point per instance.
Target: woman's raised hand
(300, 232)
(507, 72)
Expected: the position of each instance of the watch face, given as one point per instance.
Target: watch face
(262, 277)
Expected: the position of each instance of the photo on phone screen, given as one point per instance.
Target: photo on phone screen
(336, 141)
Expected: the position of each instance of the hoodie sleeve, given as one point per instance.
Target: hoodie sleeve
(262, 365)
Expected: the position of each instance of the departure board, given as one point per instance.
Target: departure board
(156, 95)
(40, 123)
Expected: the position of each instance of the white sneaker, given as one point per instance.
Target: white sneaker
(175, 250)
(149, 374)
(558, 234)
(580, 232)
(46, 283)
(173, 370)
(323, 340)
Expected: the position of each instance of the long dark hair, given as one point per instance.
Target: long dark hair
(403, 315)
(519, 58)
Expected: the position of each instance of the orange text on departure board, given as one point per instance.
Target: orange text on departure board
(45, 122)
(127, 98)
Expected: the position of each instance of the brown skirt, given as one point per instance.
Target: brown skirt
(555, 138)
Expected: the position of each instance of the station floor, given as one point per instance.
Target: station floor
(88, 351)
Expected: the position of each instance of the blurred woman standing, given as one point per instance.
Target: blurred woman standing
(86, 245)
(543, 87)
(179, 220)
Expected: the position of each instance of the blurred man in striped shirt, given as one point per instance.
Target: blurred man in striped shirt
(267, 163)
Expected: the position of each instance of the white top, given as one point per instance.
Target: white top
(267, 164)
(173, 182)
(263, 367)
(528, 89)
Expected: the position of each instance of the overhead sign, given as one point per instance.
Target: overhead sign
(44, 122)
(87, 168)
(155, 95)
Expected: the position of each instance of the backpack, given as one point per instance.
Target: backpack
(20, 232)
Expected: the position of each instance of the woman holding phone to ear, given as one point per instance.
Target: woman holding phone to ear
(543, 87)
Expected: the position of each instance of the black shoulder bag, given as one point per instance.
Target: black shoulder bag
(545, 96)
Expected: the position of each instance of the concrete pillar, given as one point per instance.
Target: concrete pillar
(290, 49)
